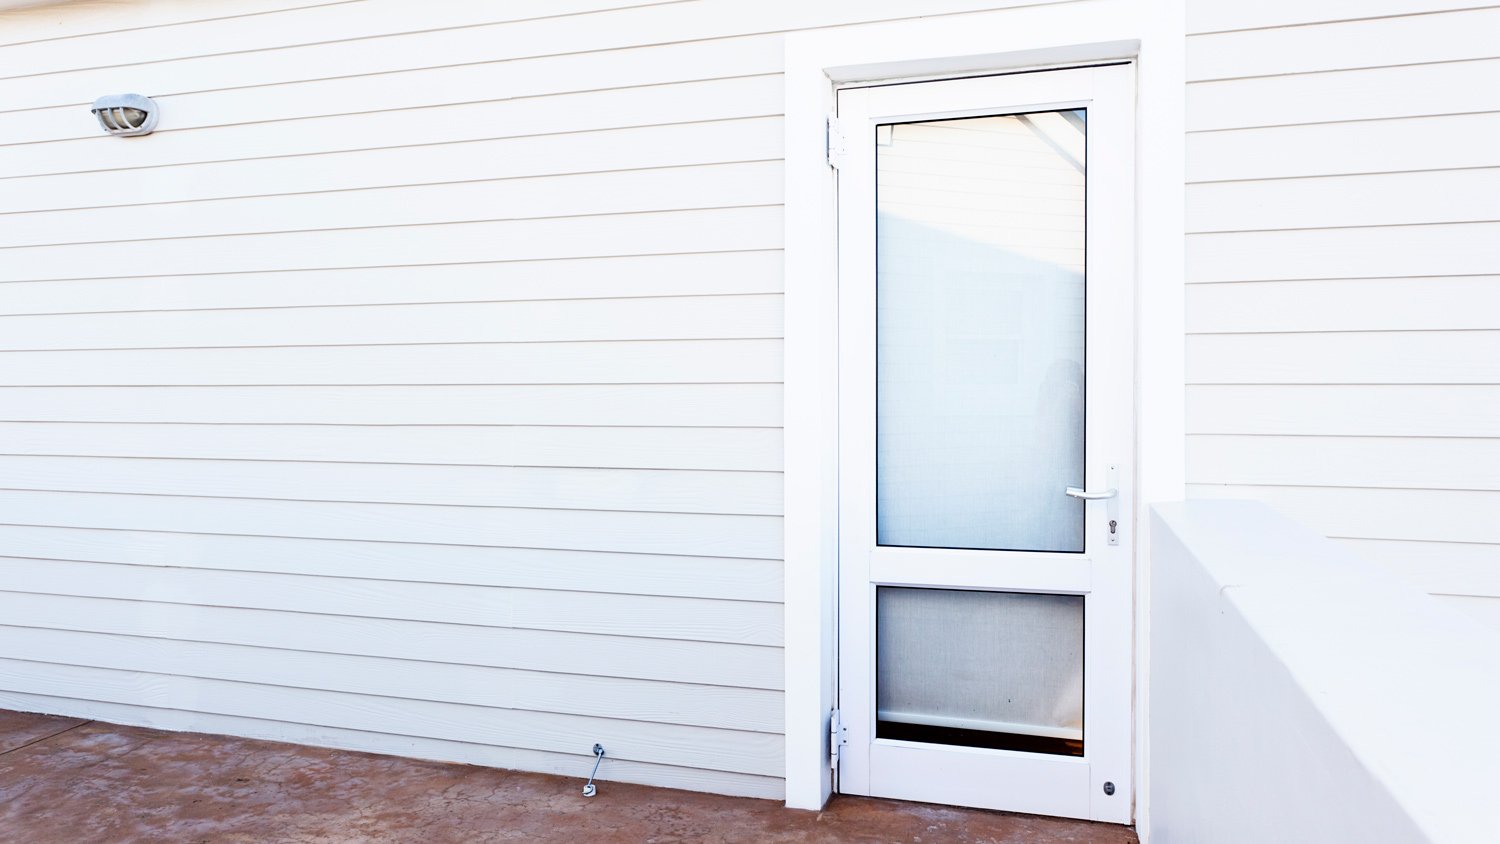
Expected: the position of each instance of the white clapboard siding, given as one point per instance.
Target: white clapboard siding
(1386, 304)
(1342, 258)
(1380, 42)
(1393, 462)
(282, 29)
(1375, 410)
(315, 45)
(502, 688)
(1376, 93)
(66, 21)
(570, 763)
(744, 271)
(1220, 16)
(675, 703)
(669, 744)
(646, 490)
(629, 148)
(737, 449)
(653, 318)
(529, 568)
(636, 361)
(499, 116)
(546, 55)
(691, 405)
(1326, 149)
(691, 534)
(1345, 357)
(659, 189)
(1388, 199)
(741, 622)
(416, 387)
(611, 234)
(668, 660)
(1385, 251)
(398, 95)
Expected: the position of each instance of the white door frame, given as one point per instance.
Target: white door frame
(1028, 36)
(1097, 785)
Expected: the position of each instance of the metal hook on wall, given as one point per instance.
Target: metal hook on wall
(589, 789)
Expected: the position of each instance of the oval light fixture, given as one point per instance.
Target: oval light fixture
(126, 114)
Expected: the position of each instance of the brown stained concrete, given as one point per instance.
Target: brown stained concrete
(66, 780)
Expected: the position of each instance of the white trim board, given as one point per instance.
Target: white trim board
(819, 62)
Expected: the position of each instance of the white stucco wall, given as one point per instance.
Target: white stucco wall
(1298, 695)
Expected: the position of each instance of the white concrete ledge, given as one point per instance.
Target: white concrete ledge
(1300, 694)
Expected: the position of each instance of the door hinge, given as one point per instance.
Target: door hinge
(835, 143)
(838, 736)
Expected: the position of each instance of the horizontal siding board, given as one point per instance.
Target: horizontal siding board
(1406, 514)
(1388, 462)
(632, 319)
(688, 405)
(1346, 410)
(568, 763)
(1225, 15)
(736, 622)
(492, 117)
(525, 568)
(1441, 568)
(471, 50)
(400, 94)
(1449, 196)
(1466, 249)
(723, 707)
(670, 660)
(665, 490)
(662, 189)
(608, 277)
(1448, 36)
(753, 537)
(632, 148)
(1345, 95)
(740, 449)
(1362, 357)
(1344, 148)
(624, 361)
(707, 230)
(584, 278)
(1387, 304)
(279, 24)
(671, 744)
(66, 21)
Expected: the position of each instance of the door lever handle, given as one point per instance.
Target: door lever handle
(1077, 492)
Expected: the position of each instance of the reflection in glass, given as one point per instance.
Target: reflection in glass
(980, 669)
(980, 332)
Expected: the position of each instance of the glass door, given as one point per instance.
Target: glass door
(985, 277)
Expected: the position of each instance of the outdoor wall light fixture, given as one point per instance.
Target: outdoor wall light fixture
(126, 114)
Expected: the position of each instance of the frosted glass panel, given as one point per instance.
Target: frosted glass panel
(986, 669)
(980, 332)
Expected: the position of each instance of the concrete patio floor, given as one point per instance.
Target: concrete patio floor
(77, 781)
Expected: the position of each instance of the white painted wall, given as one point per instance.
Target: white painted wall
(416, 387)
(1298, 695)
(1344, 275)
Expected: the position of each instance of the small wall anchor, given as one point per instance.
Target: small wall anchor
(589, 789)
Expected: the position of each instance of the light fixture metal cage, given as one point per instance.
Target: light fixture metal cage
(126, 114)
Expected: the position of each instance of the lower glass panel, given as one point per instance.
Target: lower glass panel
(980, 669)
